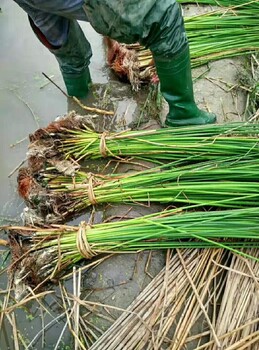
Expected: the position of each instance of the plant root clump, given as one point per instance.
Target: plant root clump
(31, 217)
(44, 145)
(48, 206)
(28, 268)
(45, 154)
(28, 188)
(132, 63)
(71, 121)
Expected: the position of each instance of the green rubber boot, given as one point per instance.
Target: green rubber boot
(78, 86)
(177, 88)
(73, 58)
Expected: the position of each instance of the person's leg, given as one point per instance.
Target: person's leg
(159, 26)
(168, 43)
(65, 39)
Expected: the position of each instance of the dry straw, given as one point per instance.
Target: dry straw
(195, 302)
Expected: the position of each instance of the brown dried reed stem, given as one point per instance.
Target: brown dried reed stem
(167, 309)
(240, 304)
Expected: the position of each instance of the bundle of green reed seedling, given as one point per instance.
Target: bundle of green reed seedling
(225, 32)
(221, 3)
(227, 184)
(207, 142)
(63, 246)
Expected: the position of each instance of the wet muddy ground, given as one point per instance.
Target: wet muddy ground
(28, 101)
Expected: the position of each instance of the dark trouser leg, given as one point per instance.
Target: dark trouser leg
(169, 45)
(65, 39)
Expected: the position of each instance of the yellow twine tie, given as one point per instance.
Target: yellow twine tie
(91, 195)
(82, 243)
(103, 148)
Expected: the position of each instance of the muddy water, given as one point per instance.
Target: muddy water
(25, 100)
(28, 101)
